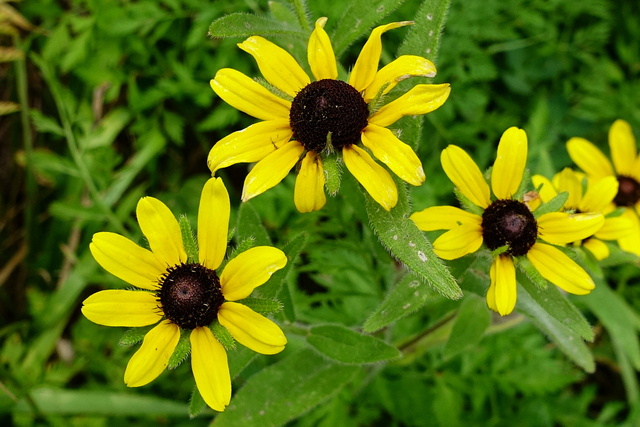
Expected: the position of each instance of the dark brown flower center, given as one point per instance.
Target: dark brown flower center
(511, 223)
(328, 109)
(628, 191)
(190, 295)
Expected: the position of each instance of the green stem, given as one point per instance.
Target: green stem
(27, 141)
(301, 13)
(72, 143)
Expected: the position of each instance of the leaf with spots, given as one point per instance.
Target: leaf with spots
(407, 296)
(423, 38)
(409, 245)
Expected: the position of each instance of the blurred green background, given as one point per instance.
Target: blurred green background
(106, 101)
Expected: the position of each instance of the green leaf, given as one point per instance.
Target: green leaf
(558, 306)
(285, 390)
(108, 129)
(196, 403)
(55, 401)
(45, 124)
(407, 296)
(222, 334)
(181, 351)
(567, 340)
(348, 346)
(617, 317)
(407, 243)
(423, 38)
(134, 336)
(472, 321)
(249, 225)
(262, 305)
(245, 25)
(188, 239)
(358, 19)
(272, 288)
(553, 205)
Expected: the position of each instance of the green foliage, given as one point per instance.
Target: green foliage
(111, 102)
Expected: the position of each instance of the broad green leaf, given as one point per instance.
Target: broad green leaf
(408, 244)
(348, 346)
(557, 306)
(423, 38)
(272, 288)
(613, 311)
(249, 225)
(245, 25)
(472, 321)
(285, 390)
(359, 18)
(567, 340)
(407, 296)
(56, 401)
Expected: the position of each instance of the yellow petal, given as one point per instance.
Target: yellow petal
(162, 231)
(631, 242)
(397, 155)
(559, 269)
(567, 180)
(122, 308)
(589, 158)
(213, 223)
(598, 248)
(309, 190)
(276, 65)
(401, 68)
(322, 59)
(366, 65)
(560, 228)
(126, 260)
(545, 188)
(623, 147)
(465, 175)
(153, 356)
(250, 144)
(502, 293)
(459, 241)
(373, 177)
(510, 163)
(443, 218)
(248, 96)
(251, 329)
(421, 99)
(615, 228)
(210, 368)
(599, 194)
(269, 171)
(249, 270)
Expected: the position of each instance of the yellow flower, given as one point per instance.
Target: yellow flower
(626, 162)
(185, 295)
(597, 197)
(506, 225)
(314, 120)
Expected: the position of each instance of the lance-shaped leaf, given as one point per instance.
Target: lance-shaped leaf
(348, 346)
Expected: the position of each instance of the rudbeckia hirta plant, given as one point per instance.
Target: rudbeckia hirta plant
(177, 286)
(498, 217)
(625, 169)
(597, 196)
(319, 122)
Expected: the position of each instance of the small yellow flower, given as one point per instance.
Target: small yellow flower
(314, 120)
(625, 169)
(185, 295)
(506, 225)
(598, 197)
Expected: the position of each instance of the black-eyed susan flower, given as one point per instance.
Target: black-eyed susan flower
(185, 295)
(307, 121)
(597, 196)
(625, 169)
(505, 224)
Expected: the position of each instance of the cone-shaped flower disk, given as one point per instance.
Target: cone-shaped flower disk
(598, 197)
(311, 121)
(185, 295)
(625, 169)
(507, 227)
